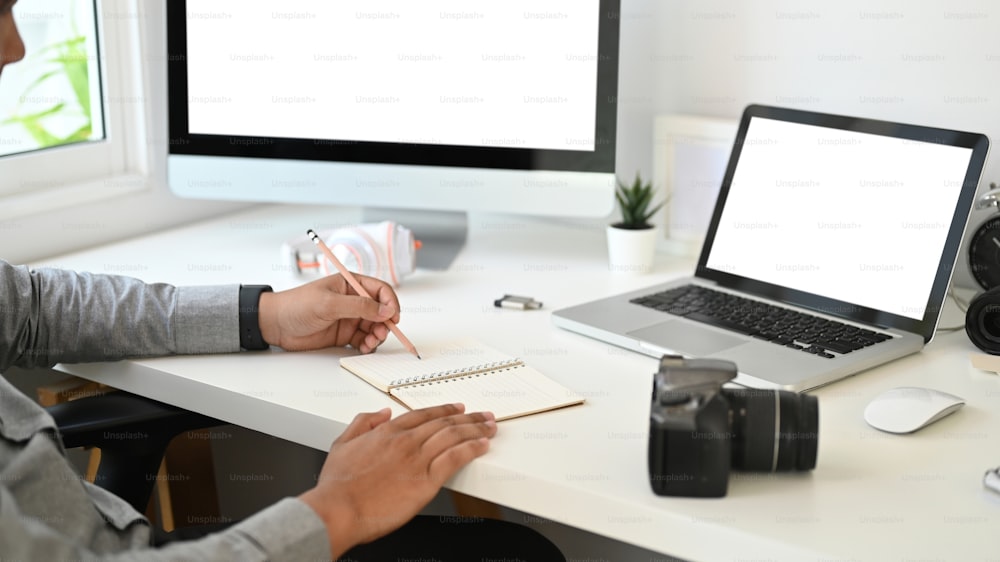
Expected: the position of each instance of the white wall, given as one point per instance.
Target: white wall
(639, 95)
(928, 62)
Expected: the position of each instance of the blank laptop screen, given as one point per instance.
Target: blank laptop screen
(852, 216)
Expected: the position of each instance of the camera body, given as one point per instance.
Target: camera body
(699, 430)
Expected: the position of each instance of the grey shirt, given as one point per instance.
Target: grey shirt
(46, 512)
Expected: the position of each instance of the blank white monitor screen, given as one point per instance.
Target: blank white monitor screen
(445, 73)
(857, 217)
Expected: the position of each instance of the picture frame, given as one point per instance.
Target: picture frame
(689, 160)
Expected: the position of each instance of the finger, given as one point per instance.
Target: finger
(447, 437)
(381, 331)
(357, 341)
(371, 342)
(440, 430)
(351, 331)
(366, 325)
(415, 418)
(365, 343)
(363, 423)
(368, 344)
(353, 306)
(380, 291)
(446, 464)
(335, 283)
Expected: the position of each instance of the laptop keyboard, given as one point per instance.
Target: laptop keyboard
(781, 326)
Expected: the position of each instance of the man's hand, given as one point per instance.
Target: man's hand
(380, 473)
(328, 313)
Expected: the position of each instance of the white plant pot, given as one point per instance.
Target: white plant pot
(631, 251)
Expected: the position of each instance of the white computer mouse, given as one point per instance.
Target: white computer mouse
(907, 409)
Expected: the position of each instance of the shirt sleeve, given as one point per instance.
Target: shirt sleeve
(48, 316)
(288, 530)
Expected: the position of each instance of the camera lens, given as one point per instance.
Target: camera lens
(982, 321)
(773, 430)
(989, 322)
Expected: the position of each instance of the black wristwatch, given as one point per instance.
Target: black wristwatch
(250, 337)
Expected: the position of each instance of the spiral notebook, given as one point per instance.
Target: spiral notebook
(466, 371)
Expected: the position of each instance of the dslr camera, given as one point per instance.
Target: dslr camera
(698, 429)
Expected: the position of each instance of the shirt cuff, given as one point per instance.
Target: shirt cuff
(207, 319)
(288, 530)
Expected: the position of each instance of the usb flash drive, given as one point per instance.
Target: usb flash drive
(520, 303)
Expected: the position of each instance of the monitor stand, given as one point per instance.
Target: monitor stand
(441, 234)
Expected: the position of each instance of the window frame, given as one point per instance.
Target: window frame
(75, 174)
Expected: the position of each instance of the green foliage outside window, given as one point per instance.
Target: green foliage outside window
(54, 96)
(69, 61)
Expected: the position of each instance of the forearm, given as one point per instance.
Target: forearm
(50, 316)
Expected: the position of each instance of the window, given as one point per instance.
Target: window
(53, 97)
(72, 113)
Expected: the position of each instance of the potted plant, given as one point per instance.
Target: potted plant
(632, 241)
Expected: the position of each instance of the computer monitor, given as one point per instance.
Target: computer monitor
(504, 106)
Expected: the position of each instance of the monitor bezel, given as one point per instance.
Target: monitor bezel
(601, 159)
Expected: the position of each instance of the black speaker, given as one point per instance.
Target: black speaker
(982, 321)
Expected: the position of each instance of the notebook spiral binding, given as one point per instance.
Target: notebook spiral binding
(455, 373)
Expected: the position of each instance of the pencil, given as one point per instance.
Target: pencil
(358, 288)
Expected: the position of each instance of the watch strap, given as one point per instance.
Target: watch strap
(250, 336)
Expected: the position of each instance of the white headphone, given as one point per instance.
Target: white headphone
(384, 250)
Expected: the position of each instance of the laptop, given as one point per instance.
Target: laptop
(830, 251)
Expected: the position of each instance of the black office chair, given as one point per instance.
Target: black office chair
(132, 433)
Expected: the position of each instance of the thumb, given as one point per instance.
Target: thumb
(363, 423)
(352, 306)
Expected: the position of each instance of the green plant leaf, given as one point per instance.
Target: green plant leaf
(80, 135)
(37, 81)
(33, 125)
(634, 202)
(74, 64)
(71, 57)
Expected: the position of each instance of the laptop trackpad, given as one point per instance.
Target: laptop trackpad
(686, 338)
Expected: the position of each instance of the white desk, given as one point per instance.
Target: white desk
(873, 496)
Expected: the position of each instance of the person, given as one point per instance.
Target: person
(11, 45)
(378, 474)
